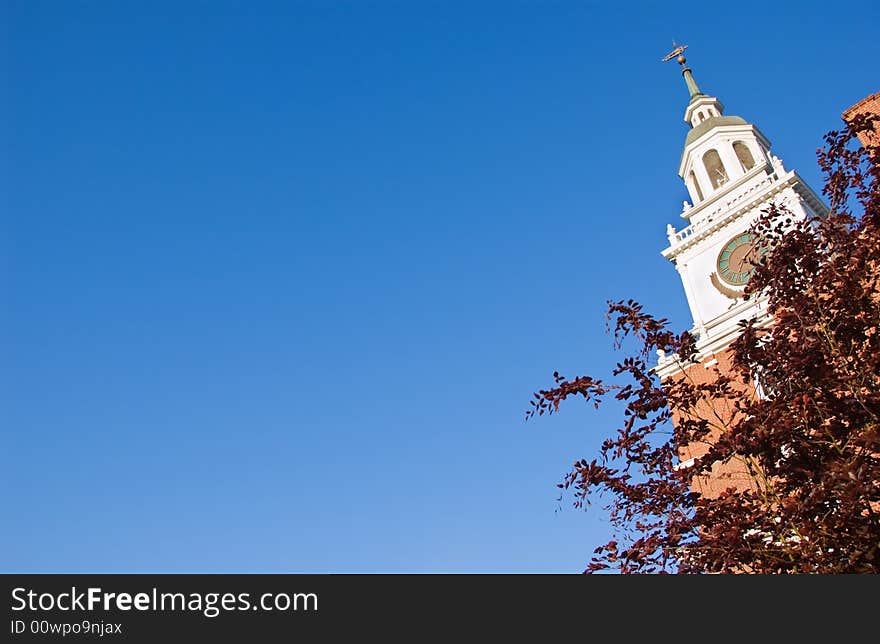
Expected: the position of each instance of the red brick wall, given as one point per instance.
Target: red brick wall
(868, 105)
(720, 414)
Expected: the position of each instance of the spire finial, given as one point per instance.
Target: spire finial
(678, 50)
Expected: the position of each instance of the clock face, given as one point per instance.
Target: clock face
(736, 263)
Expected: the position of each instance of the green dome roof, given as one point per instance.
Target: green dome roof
(709, 123)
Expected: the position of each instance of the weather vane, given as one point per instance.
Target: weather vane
(677, 50)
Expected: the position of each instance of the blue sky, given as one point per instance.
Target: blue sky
(279, 279)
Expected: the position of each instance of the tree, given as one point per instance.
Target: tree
(809, 443)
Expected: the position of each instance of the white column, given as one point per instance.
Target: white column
(688, 292)
(729, 159)
(702, 176)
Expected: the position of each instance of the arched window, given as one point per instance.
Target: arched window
(714, 168)
(744, 155)
(696, 185)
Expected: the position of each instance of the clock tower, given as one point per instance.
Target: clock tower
(731, 177)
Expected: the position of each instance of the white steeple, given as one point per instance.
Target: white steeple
(731, 176)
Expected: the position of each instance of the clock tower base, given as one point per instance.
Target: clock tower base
(721, 414)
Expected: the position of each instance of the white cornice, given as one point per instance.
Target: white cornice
(727, 330)
(751, 198)
(694, 214)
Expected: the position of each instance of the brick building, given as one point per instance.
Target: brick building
(868, 105)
